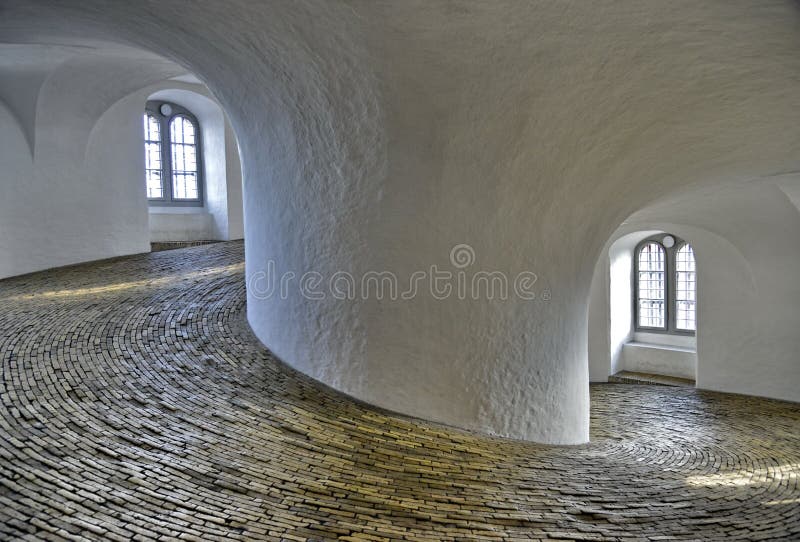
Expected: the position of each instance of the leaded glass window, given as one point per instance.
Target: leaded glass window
(665, 286)
(173, 165)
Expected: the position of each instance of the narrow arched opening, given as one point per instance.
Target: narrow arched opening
(643, 310)
(192, 169)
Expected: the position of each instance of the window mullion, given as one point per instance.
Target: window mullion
(668, 291)
(166, 144)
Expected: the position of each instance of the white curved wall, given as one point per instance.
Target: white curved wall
(376, 136)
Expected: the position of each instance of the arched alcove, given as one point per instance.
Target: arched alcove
(617, 343)
(220, 217)
(745, 306)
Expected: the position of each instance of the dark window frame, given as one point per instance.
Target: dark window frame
(153, 107)
(670, 280)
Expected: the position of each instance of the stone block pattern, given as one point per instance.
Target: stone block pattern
(135, 404)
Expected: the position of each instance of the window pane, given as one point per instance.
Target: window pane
(685, 289)
(651, 287)
(152, 157)
(184, 159)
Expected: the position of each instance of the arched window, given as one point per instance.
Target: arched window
(174, 177)
(651, 286)
(665, 286)
(685, 289)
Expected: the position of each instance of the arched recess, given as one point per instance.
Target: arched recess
(221, 216)
(612, 318)
(222, 169)
(747, 257)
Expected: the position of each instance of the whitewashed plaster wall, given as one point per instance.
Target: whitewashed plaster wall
(655, 358)
(377, 135)
(602, 361)
(611, 305)
(17, 168)
(233, 175)
(181, 224)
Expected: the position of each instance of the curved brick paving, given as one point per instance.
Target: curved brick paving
(137, 405)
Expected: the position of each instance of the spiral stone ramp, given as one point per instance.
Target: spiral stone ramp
(137, 405)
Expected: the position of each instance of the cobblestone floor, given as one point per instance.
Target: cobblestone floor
(135, 404)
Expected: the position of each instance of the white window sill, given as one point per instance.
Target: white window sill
(667, 340)
(177, 210)
(670, 347)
